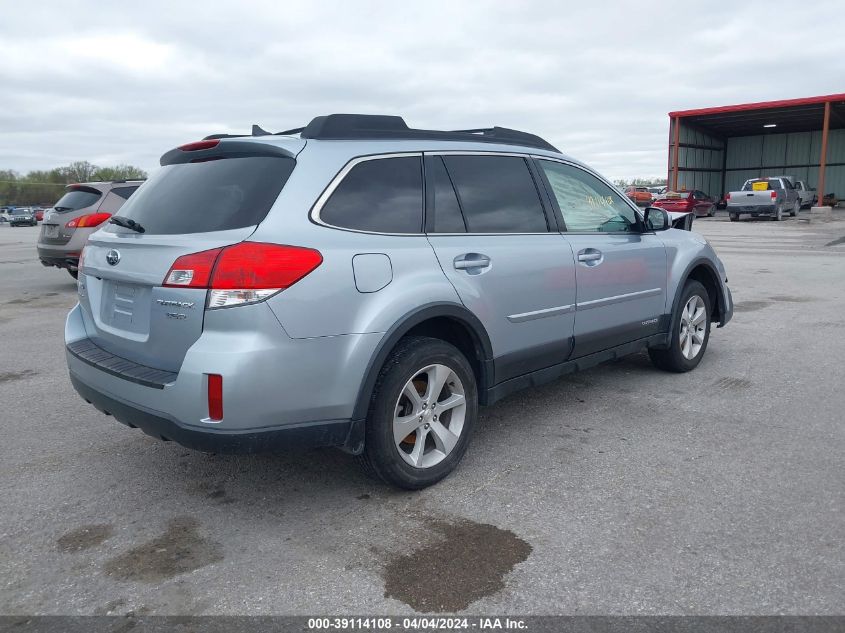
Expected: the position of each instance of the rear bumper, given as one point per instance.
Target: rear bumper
(763, 209)
(303, 435)
(71, 263)
(277, 391)
(61, 255)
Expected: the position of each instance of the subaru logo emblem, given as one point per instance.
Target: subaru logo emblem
(113, 257)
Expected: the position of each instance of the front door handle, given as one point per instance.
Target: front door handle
(590, 256)
(471, 261)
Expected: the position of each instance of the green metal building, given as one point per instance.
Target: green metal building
(717, 149)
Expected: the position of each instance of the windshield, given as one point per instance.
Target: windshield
(215, 195)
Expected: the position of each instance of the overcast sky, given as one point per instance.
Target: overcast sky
(122, 82)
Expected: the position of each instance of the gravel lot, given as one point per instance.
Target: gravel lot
(618, 490)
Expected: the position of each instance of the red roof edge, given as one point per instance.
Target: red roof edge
(762, 105)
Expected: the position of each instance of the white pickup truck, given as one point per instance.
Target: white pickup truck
(807, 195)
(771, 196)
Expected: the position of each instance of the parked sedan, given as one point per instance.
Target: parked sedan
(695, 201)
(641, 196)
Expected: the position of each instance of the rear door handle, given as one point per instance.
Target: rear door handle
(471, 261)
(590, 256)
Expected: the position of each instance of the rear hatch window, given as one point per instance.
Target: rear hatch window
(214, 195)
(77, 198)
(762, 185)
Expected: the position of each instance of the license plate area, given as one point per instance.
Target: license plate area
(51, 231)
(126, 306)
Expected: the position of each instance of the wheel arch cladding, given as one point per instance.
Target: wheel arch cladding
(703, 271)
(452, 323)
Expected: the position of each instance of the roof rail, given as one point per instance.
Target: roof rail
(374, 126)
(377, 126)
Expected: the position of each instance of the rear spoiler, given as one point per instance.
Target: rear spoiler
(215, 149)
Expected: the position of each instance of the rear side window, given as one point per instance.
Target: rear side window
(497, 194)
(124, 192)
(77, 199)
(215, 195)
(447, 212)
(383, 195)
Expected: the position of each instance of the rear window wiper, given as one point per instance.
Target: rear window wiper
(126, 223)
(60, 209)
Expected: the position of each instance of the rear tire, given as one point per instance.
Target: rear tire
(73, 273)
(438, 425)
(778, 216)
(734, 217)
(795, 209)
(690, 333)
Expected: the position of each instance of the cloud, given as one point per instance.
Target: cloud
(106, 83)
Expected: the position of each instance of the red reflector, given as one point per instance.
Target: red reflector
(254, 265)
(88, 221)
(191, 271)
(198, 145)
(215, 397)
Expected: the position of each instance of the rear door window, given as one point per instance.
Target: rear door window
(497, 194)
(381, 195)
(215, 195)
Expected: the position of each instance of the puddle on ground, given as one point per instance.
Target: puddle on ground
(11, 376)
(84, 537)
(179, 550)
(750, 306)
(465, 561)
(791, 299)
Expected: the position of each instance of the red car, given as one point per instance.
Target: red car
(694, 201)
(39, 214)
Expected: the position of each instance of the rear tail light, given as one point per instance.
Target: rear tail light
(192, 271)
(215, 397)
(774, 195)
(727, 197)
(243, 273)
(88, 221)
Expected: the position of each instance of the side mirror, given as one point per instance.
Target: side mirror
(656, 219)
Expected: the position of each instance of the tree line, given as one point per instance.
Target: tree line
(43, 188)
(640, 182)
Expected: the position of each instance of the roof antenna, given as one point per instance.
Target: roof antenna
(257, 131)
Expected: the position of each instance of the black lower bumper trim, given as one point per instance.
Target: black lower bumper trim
(306, 435)
(89, 352)
(71, 263)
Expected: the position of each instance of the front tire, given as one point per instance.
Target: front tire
(690, 332)
(422, 412)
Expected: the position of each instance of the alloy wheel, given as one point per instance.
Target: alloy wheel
(693, 327)
(429, 416)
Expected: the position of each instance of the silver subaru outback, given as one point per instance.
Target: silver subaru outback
(361, 284)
